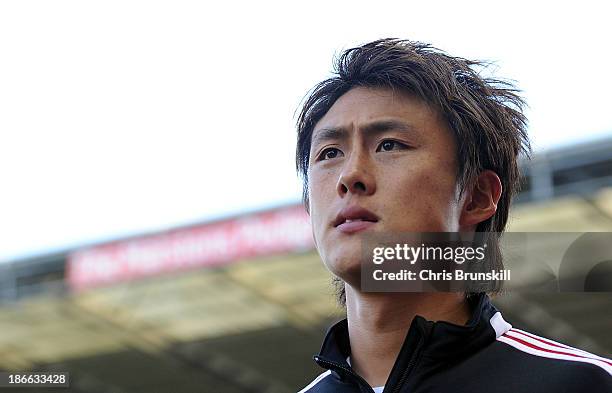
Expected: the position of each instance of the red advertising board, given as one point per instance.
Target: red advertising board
(266, 233)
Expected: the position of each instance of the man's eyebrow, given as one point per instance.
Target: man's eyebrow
(329, 133)
(375, 127)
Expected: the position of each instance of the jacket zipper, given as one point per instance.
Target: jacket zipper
(348, 370)
(410, 366)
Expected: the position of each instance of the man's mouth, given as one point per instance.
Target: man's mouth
(353, 226)
(353, 219)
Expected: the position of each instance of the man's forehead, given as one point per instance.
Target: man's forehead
(362, 107)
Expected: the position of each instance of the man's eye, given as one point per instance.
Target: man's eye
(330, 153)
(389, 145)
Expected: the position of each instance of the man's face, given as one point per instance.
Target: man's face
(380, 161)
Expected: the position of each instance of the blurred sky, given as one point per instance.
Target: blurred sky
(123, 117)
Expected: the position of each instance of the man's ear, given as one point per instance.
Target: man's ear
(481, 200)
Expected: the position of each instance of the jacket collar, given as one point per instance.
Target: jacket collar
(442, 340)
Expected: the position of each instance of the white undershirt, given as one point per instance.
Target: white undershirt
(378, 389)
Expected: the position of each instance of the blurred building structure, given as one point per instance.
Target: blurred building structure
(241, 304)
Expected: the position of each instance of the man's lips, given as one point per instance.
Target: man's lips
(354, 226)
(353, 219)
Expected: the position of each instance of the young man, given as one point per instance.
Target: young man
(405, 138)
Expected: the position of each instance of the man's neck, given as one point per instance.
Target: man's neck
(378, 324)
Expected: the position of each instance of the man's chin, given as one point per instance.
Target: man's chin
(347, 269)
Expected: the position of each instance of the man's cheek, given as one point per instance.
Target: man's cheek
(312, 230)
(318, 227)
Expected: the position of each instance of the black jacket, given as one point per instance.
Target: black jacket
(485, 355)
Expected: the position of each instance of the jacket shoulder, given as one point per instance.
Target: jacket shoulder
(318, 384)
(569, 358)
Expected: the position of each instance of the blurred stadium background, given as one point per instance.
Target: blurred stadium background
(242, 304)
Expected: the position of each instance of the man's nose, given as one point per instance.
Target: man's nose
(356, 176)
